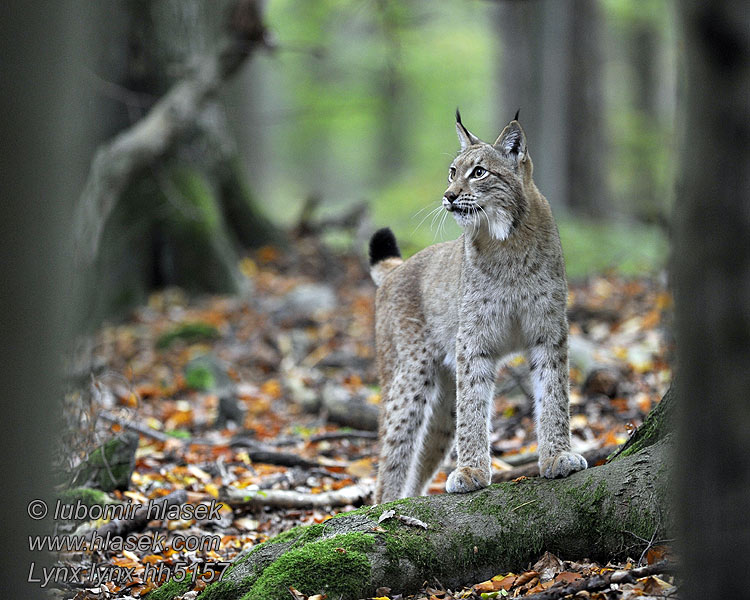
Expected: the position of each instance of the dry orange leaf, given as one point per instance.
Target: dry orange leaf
(485, 586)
(526, 577)
(361, 468)
(568, 576)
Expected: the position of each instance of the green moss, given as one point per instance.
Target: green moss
(288, 536)
(110, 466)
(228, 590)
(194, 189)
(87, 496)
(407, 543)
(338, 566)
(188, 332)
(200, 378)
(169, 590)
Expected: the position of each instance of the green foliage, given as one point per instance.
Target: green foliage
(364, 109)
(625, 248)
(362, 67)
(188, 332)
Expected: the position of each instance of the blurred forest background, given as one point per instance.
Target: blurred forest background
(190, 132)
(349, 103)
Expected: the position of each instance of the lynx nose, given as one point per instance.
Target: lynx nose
(450, 196)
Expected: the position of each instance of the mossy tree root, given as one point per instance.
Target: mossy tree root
(602, 512)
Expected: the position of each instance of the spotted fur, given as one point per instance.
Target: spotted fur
(446, 316)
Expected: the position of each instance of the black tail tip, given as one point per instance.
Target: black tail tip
(383, 245)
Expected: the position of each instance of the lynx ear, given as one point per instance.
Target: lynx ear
(465, 137)
(512, 142)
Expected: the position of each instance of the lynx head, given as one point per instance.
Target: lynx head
(487, 189)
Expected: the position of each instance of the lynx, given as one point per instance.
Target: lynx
(447, 315)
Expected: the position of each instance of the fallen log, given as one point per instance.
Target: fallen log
(601, 512)
(604, 512)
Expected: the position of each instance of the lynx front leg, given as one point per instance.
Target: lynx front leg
(548, 363)
(475, 382)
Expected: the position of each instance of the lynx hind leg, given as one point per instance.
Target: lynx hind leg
(549, 374)
(438, 434)
(405, 402)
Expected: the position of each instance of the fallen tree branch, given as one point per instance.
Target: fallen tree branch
(121, 527)
(136, 427)
(117, 161)
(602, 581)
(344, 435)
(353, 494)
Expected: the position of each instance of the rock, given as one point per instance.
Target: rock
(307, 301)
(230, 409)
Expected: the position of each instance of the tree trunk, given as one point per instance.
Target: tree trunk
(534, 69)
(588, 188)
(176, 209)
(649, 192)
(603, 512)
(712, 299)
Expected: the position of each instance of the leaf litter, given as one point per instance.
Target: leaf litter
(225, 393)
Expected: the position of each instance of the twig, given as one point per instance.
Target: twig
(353, 494)
(137, 427)
(284, 459)
(343, 435)
(515, 508)
(600, 582)
(532, 470)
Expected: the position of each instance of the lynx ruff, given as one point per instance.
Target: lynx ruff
(447, 315)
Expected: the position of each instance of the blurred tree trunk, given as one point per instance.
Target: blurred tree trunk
(588, 186)
(645, 49)
(712, 285)
(520, 80)
(534, 65)
(393, 124)
(181, 220)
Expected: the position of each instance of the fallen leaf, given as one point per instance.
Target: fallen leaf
(548, 566)
(361, 468)
(388, 514)
(567, 577)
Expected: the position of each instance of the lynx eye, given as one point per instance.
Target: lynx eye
(451, 173)
(478, 172)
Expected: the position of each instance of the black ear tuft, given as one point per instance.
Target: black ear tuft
(458, 116)
(383, 245)
(516, 117)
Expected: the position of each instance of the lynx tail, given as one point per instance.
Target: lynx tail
(384, 254)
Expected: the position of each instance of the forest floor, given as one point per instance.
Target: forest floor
(235, 401)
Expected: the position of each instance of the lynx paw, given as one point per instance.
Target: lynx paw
(562, 465)
(467, 479)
